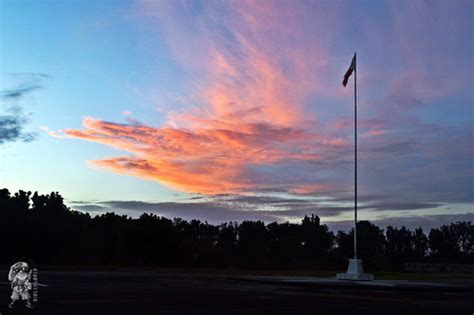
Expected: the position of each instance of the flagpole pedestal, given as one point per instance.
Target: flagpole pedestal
(355, 272)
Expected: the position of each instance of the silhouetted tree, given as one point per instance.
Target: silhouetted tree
(284, 244)
(400, 246)
(252, 244)
(317, 241)
(454, 241)
(226, 245)
(420, 244)
(370, 244)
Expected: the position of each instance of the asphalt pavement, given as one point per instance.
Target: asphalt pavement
(127, 292)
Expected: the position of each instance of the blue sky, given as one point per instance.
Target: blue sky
(230, 110)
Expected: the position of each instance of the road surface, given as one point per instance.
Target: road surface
(126, 292)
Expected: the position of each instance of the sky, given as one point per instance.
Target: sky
(234, 110)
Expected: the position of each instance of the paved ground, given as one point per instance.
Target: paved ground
(179, 293)
(401, 285)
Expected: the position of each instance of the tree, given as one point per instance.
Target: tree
(404, 245)
(452, 242)
(420, 246)
(370, 244)
(226, 245)
(284, 244)
(51, 233)
(252, 244)
(317, 241)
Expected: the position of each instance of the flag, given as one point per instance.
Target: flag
(351, 69)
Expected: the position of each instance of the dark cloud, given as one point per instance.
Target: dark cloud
(196, 197)
(218, 211)
(90, 208)
(19, 92)
(299, 213)
(208, 211)
(258, 200)
(12, 117)
(426, 222)
(395, 205)
(12, 126)
(23, 83)
(396, 147)
(226, 207)
(32, 75)
(383, 202)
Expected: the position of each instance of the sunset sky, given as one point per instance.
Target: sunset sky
(233, 110)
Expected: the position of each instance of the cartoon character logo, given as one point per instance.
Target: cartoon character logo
(20, 279)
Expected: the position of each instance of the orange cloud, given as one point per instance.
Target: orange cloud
(201, 160)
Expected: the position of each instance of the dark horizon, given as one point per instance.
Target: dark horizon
(54, 234)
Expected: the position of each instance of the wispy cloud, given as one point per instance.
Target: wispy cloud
(19, 92)
(26, 83)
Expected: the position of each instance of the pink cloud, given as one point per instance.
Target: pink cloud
(203, 160)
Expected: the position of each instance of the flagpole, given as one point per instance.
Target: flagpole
(355, 271)
(355, 157)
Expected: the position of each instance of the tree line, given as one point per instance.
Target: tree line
(44, 229)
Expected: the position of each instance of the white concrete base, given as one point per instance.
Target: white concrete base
(355, 272)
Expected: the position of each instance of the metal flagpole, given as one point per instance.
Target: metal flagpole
(355, 156)
(355, 270)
